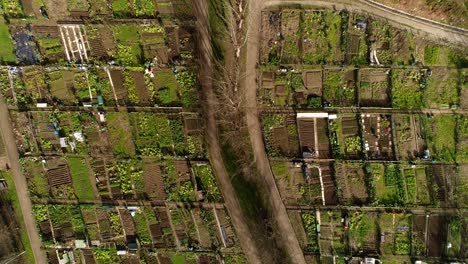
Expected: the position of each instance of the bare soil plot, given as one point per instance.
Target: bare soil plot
(59, 7)
(351, 178)
(328, 182)
(292, 184)
(402, 47)
(281, 136)
(374, 88)
(101, 42)
(118, 79)
(165, 7)
(98, 142)
(418, 238)
(141, 88)
(23, 132)
(461, 190)
(313, 82)
(443, 179)
(408, 137)
(270, 44)
(313, 135)
(436, 234)
(377, 133)
(166, 240)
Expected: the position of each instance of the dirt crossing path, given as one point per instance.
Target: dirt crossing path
(20, 183)
(211, 135)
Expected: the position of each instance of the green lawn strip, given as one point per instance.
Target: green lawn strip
(440, 136)
(167, 87)
(80, 176)
(7, 54)
(462, 139)
(12, 195)
(178, 259)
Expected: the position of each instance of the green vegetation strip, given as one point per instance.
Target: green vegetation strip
(81, 181)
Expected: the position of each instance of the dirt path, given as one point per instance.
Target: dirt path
(288, 239)
(211, 135)
(20, 182)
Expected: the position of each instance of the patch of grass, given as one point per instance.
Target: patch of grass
(13, 197)
(439, 132)
(178, 259)
(80, 176)
(431, 55)
(7, 54)
(167, 87)
(121, 8)
(13, 8)
(120, 134)
(406, 89)
(442, 88)
(462, 139)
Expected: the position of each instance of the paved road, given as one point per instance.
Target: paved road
(289, 240)
(212, 138)
(20, 182)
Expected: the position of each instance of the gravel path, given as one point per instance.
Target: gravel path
(20, 183)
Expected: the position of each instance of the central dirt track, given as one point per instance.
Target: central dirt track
(211, 134)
